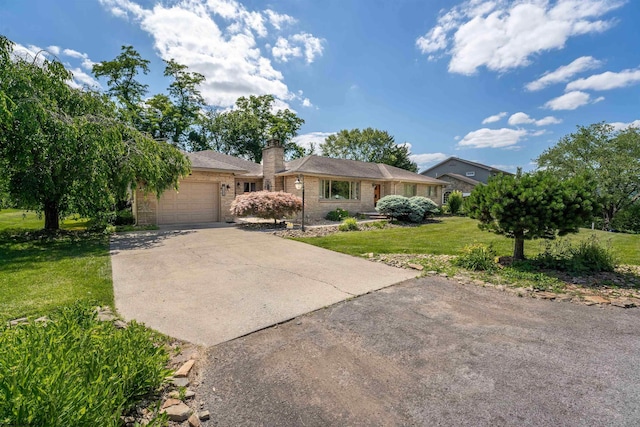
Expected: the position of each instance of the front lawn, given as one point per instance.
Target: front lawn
(40, 272)
(448, 235)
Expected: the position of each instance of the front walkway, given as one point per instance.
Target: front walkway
(210, 285)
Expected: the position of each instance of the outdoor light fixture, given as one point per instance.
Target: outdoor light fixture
(224, 188)
(300, 186)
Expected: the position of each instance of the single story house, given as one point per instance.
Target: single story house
(461, 175)
(216, 179)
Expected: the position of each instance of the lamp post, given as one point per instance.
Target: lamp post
(300, 186)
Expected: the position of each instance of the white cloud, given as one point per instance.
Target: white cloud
(623, 126)
(221, 40)
(494, 118)
(279, 20)
(54, 50)
(502, 35)
(87, 63)
(306, 103)
(606, 81)
(296, 46)
(571, 101)
(564, 73)
(521, 118)
(316, 138)
(81, 78)
(492, 138)
(549, 120)
(425, 160)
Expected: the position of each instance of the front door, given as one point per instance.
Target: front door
(376, 194)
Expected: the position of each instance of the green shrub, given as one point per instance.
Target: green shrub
(587, 256)
(628, 219)
(349, 224)
(424, 204)
(124, 217)
(402, 208)
(337, 215)
(454, 203)
(477, 257)
(75, 370)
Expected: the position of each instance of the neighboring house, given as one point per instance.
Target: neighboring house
(461, 175)
(215, 180)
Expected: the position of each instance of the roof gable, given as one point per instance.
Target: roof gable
(469, 162)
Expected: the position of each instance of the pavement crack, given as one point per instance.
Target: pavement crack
(301, 276)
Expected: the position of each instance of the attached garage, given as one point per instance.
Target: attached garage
(195, 202)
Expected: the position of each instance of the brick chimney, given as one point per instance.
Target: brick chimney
(272, 163)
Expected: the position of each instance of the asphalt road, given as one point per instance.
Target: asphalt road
(430, 352)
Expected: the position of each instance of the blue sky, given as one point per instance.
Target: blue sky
(491, 81)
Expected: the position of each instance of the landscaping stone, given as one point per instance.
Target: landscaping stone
(171, 402)
(189, 394)
(177, 413)
(184, 369)
(19, 321)
(623, 302)
(545, 295)
(204, 415)
(120, 324)
(194, 421)
(416, 266)
(180, 382)
(596, 299)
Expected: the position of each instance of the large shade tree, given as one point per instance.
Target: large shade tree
(68, 150)
(608, 156)
(368, 145)
(245, 130)
(531, 206)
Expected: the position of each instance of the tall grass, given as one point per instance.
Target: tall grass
(76, 370)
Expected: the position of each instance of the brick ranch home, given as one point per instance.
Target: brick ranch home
(216, 179)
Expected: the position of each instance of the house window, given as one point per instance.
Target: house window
(430, 191)
(410, 190)
(445, 197)
(249, 187)
(471, 173)
(339, 190)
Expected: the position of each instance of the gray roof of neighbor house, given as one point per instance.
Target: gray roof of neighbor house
(460, 177)
(234, 163)
(479, 165)
(326, 166)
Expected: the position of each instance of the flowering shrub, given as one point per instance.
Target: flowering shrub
(266, 204)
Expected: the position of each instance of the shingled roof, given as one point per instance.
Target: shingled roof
(235, 163)
(201, 161)
(326, 166)
(461, 178)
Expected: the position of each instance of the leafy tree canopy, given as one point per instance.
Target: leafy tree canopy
(67, 150)
(368, 145)
(531, 205)
(610, 158)
(245, 130)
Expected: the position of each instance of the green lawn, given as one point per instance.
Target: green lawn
(39, 273)
(450, 234)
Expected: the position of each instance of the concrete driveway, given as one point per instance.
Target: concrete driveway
(211, 285)
(431, 352)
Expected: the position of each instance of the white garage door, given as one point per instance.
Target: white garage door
(195, 202)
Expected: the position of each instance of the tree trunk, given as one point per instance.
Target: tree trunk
(51, 216)
(518, 249)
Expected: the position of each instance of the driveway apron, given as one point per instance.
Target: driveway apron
(211, 285)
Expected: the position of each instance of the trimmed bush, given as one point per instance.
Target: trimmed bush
(396, 207)
(266, 204)
(124, 217)
(349, 224)
(337, 215)
(477, 257)
(425, 204)
(454, 203)
(76, 371)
